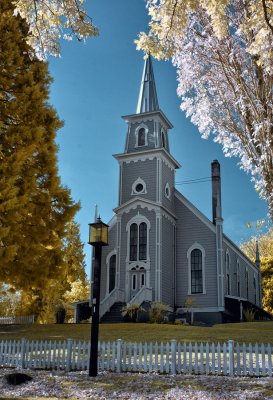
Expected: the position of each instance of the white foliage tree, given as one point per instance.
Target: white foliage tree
(52, 20)
(225, 75)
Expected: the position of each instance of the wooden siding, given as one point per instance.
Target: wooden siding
(167, 248)
(145, 170)
(244, 266)
(191, 229)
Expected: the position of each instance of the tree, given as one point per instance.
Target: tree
(51, 20)
(9, 301)
(71, 285)
(266, 255)
(74, 257)
(265, 245)
(224, 74)
(34, 207)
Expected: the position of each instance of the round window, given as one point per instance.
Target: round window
(139, 188)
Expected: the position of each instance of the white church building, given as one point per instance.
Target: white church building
(161, 247)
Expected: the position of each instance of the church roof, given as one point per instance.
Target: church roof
(147, 100)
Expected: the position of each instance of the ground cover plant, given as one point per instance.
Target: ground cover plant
(261, 332)
(78, 385)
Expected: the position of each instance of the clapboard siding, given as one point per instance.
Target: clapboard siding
(245, 266)
(167, 284)
(145, 170)
(191, 229)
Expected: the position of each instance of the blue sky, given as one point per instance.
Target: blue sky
(94, 85)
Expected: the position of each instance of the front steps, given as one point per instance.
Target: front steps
(114, 314)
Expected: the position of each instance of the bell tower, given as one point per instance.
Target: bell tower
(146, 198)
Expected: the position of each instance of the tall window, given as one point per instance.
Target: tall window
(163, 139)
(112, 272)
(141, 137)
(196, 271)
(228, 273)
(138, 242)
(247, 290)
(142, 241)
(133, 242)
(238, 280)
(255, 290)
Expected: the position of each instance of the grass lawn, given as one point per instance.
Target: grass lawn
(261, 332)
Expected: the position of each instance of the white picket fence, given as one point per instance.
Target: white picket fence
(29, 319)
(171, 358)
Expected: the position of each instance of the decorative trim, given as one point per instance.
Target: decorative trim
(132, 204)
(139, 181)
(157, 115)
(201, 248)
(149, 155)
(167, 191)
(137, 219)
(146, 135)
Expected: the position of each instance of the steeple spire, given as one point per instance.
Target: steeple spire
(147, 100)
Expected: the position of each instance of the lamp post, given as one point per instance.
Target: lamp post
(98, 237)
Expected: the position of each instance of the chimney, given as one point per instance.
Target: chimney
(216, 191)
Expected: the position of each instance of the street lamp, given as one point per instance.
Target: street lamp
(98, 237)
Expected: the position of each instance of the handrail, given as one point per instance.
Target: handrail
(144, 294)
(113, 297)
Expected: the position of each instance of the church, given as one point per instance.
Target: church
(161, 247)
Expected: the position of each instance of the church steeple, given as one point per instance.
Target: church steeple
(147, 100)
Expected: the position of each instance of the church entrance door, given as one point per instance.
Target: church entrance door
(138, 280)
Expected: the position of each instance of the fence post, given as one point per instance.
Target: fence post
(173, 351)
(231, 357)
(23, 352)
(119, 361)
(68, 356)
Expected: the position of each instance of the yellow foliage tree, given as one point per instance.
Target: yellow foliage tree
(266, 256)
(34, 207)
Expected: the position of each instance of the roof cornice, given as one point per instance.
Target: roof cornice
(144, 115)
(144, 203)
(146, 154)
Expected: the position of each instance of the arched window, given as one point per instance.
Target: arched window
(141, 137)
(163, 139)
(142, 241)
(112, 272)
(196, 271)
(247, 289)
(133, 242)
(228, 273)
(138, 241)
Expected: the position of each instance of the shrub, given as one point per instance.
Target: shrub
(131, 311)
(249, 315)
(158, 312)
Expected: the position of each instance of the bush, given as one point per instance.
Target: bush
(131, 311)
(249, 315)
(158, 312)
